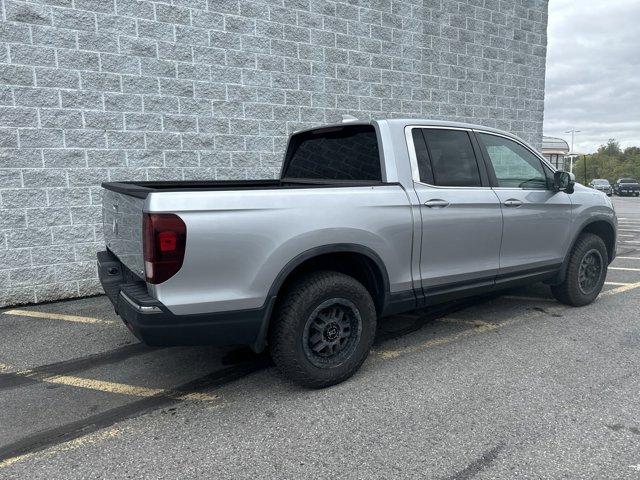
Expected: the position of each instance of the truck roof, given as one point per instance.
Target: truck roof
(403, 122)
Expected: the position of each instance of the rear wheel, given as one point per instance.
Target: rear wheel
(323, 330)
(586, 272)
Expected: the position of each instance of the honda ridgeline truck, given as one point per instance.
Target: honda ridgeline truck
(366, 220)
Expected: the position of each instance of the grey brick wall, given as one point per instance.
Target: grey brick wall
(96, 90)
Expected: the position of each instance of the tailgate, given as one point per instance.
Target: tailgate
(122, 227)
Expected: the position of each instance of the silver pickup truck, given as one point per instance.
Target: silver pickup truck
(367, 219)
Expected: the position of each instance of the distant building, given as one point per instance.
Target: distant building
(556, 150)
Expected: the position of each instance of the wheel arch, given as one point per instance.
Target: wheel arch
(604, 230)
(356, 260)
(602, 227)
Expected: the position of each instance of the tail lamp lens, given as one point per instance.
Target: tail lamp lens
(165, 237)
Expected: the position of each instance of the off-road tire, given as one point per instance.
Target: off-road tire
(291, 320)
(569, 292)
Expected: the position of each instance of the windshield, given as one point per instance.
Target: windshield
(628, 180)
(601, 182)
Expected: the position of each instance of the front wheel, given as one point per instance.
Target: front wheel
(586, 272)
(323, 330)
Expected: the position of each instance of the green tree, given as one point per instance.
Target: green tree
(610, 162)
(611, 148)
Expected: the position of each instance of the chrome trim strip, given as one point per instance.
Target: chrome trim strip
(139, 308)
(523, 189)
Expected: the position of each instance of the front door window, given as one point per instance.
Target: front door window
(514, 165)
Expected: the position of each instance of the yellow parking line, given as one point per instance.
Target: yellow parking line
(621, 289)
(626, 269)
(488, 327)
(109, 387)
(473, 323)
(617, 283)
(529, 299)
(56, 316)
(4, 368)
(66, 446)
(125, 389)
(389, 354)
(102, 386)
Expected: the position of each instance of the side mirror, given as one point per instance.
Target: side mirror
(564, 181)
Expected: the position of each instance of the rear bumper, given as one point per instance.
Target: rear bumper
(154, 324)
(627, 191)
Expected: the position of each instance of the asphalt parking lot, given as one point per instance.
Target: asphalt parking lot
(509, 386)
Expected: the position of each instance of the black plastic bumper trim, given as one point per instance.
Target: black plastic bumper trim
(152, 322)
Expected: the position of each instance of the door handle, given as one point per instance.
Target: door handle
(436, 203)
(513, 202)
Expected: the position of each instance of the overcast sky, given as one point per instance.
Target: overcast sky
(593, 72)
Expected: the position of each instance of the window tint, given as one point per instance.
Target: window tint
(514, 165)
(627, 180)
(422, 157)
(453, 161)
(337, 153)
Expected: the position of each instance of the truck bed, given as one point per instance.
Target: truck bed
(142, 189)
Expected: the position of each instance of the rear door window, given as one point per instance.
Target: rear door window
(335, 153)
(451, 157)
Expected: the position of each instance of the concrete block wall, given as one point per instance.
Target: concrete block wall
(97, 90)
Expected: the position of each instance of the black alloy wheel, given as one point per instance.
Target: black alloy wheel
(331, 332)
(590, 271)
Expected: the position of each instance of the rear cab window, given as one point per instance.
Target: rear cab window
(446, 158)
(340, 153)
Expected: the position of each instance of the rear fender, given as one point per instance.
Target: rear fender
(313, 252)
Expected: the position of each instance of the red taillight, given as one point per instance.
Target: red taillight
(167, 241)
(165, 237)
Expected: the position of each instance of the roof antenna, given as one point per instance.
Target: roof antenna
(349, 118)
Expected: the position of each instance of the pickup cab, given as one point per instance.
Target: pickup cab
(367, 219)
(626, 186)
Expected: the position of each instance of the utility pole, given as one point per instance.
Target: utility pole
(573, 131)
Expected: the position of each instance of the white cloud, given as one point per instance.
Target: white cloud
(593, 72)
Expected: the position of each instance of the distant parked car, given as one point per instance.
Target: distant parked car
(602, 184)
(626, 186)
